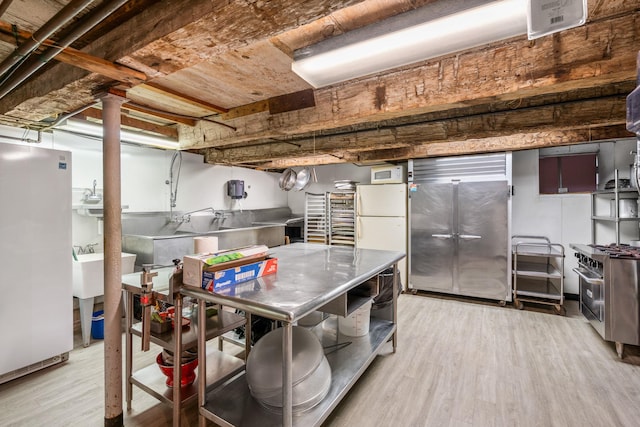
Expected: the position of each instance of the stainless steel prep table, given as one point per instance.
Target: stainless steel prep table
(309, 276)
(220, 367)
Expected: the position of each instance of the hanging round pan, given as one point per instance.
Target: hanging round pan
(288, 179)
(302, 180)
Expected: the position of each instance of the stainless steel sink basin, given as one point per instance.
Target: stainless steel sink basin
(163, 249)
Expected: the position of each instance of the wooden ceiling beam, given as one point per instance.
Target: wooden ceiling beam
(606, 111)
(514, 142)
(125, 120)
(594, 55)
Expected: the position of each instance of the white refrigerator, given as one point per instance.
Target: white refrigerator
(36, 303)
(381, 220)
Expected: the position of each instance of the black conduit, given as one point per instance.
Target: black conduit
(54, 24)
(34, 64)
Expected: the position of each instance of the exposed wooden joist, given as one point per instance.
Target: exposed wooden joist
(100, 66)
(162, 114)
(134, 123)
(158, 88)
(605, 111)
(597, 54)
(152, 111)
(246, 110)
(81, 59)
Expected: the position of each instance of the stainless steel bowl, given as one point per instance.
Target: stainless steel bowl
(302, 180)
(288, 179)
(311, 377)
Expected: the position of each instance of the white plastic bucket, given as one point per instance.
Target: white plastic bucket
(357, 323)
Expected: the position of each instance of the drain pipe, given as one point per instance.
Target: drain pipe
(54, 24)
(113, 415)
(92, 19)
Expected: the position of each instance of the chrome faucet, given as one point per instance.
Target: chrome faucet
(88, 249)
(90, 196)
(186, 217)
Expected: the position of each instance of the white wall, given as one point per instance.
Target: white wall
(327, 174)
(564, 218)
(144, 172)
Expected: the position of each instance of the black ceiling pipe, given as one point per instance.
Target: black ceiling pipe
(61, 18)
(92, 19)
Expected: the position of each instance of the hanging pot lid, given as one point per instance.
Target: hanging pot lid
(303, 179)
(287, 179)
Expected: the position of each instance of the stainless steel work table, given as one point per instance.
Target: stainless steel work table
(150, 379)
(309, 276)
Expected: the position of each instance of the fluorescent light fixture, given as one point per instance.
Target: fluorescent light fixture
(436, 29)
(84, 127)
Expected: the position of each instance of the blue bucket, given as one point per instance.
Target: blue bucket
(97, 325)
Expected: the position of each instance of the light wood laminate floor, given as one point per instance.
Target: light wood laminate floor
(458, 363)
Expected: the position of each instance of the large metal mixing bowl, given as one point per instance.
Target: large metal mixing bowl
(311, 371)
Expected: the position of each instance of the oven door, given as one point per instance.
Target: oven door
(591, 294)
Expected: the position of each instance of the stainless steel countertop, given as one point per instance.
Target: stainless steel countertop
(288, 221)
(589, 251)
(309, 276)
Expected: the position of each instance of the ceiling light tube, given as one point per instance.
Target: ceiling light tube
(329, 62)
(84, 127)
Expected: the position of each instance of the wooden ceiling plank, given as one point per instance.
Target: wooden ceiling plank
(185, 25)
(125, 120)
(158, 88)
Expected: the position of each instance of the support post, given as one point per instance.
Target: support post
(113, 415)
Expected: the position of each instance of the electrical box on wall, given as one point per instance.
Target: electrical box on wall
(235, 189)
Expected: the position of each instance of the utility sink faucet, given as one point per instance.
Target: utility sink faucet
(186, 217)
(87, 249)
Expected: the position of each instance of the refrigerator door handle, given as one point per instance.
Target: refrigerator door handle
(469, 236)
(359, 228)
(442, 236)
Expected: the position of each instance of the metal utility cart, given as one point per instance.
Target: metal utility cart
(310, 277)
(220, 366)
(538, 272)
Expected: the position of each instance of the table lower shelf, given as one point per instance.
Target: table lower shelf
(220, 367)
(231, 403)
(543, 289)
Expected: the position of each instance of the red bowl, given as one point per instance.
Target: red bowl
(188, 371)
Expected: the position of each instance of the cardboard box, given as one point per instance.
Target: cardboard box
(215, 280)
(194, 265)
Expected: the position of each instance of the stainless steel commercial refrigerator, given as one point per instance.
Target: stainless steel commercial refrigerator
(460, 225)
(36, 307)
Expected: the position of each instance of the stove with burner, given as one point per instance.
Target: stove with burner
(609, 295)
